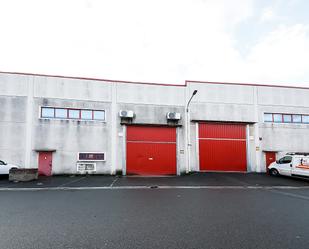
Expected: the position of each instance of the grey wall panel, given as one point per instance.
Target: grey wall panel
(222, 112)
(61, 88)
(222, 93)
(12, 109)
(285, 137)
(12, 129)
(150, 94)
(283, 96)
(14, 85)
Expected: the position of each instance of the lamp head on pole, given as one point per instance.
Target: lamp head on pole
(194, 92)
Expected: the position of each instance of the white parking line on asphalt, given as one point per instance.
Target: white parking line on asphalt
(156, 187)
(113, 182)
(74, 181)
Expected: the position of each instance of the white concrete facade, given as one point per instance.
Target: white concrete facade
(23, 132)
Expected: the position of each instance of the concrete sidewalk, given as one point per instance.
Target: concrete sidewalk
(193, 180)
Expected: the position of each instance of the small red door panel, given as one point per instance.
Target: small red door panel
(270, 157)
(151, 150)
(45, 163)
(222, 147)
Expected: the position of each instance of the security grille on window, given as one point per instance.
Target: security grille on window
(70, 113)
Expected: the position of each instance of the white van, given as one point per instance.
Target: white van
(296, 164)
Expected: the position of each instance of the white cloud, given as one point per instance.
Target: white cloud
(281, 56)
(158, 41)
(267, 15)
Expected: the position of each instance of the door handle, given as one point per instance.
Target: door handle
(291, 165)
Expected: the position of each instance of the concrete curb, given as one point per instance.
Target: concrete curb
(154, 187)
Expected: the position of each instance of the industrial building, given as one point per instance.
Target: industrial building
(69, 125)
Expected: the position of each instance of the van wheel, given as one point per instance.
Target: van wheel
(274, 172)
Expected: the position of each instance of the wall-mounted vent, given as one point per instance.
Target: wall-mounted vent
(173, 116)
(126, 114)
(86, 167)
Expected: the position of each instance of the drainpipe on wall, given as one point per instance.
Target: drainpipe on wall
(257, 148)
(29, 117)
(114, 135)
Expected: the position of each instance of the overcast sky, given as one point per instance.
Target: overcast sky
(253, 41)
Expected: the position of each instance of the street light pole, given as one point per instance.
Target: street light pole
(188, 139)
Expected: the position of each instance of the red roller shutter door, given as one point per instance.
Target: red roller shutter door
(222, 147)
(151, 150)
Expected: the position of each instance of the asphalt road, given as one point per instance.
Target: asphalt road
(197, 179)
(155, 218)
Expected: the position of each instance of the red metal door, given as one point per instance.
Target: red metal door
(270, 157)
(45, 163)
(151, 150)
(222, 147)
